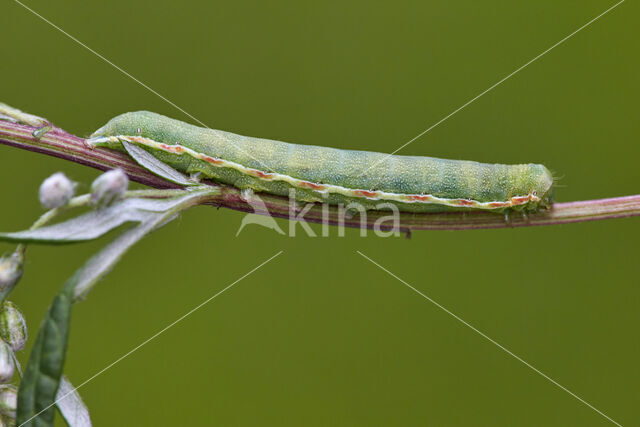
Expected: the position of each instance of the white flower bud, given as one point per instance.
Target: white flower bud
(13, 328)
(56, 191)
(7, 365)
(10, 271)
(109, 187)
(9, 400)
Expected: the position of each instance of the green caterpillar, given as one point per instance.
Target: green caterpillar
(330, 175)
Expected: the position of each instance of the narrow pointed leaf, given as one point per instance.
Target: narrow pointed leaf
(71, 406)
(163, 170)
(99, 265)
(44, 368)
(94, 224)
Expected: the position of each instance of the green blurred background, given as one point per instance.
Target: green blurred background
(320, 336)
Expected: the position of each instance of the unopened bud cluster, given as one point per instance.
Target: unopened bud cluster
(8, 401)
(10, 271)
(56, 191)
(13, 334)
(109, 188)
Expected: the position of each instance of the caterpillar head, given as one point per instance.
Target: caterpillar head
(542, 184)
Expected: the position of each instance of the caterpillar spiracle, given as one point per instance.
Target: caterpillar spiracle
(331, 175)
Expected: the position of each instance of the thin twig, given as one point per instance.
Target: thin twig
(59, 143)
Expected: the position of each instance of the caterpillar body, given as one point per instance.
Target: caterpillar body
(331, 175)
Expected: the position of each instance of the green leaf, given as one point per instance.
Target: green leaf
(42, 375)
(163, 170)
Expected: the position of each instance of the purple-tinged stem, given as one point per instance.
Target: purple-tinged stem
(59, 143)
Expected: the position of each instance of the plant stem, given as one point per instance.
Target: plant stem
(59, 143)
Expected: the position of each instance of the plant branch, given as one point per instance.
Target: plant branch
(59, 143)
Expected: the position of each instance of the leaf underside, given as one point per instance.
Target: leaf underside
(71, 406)
(147, 161)
(94, 224)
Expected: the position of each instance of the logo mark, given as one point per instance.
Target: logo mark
(384, 226)
(260, 215)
